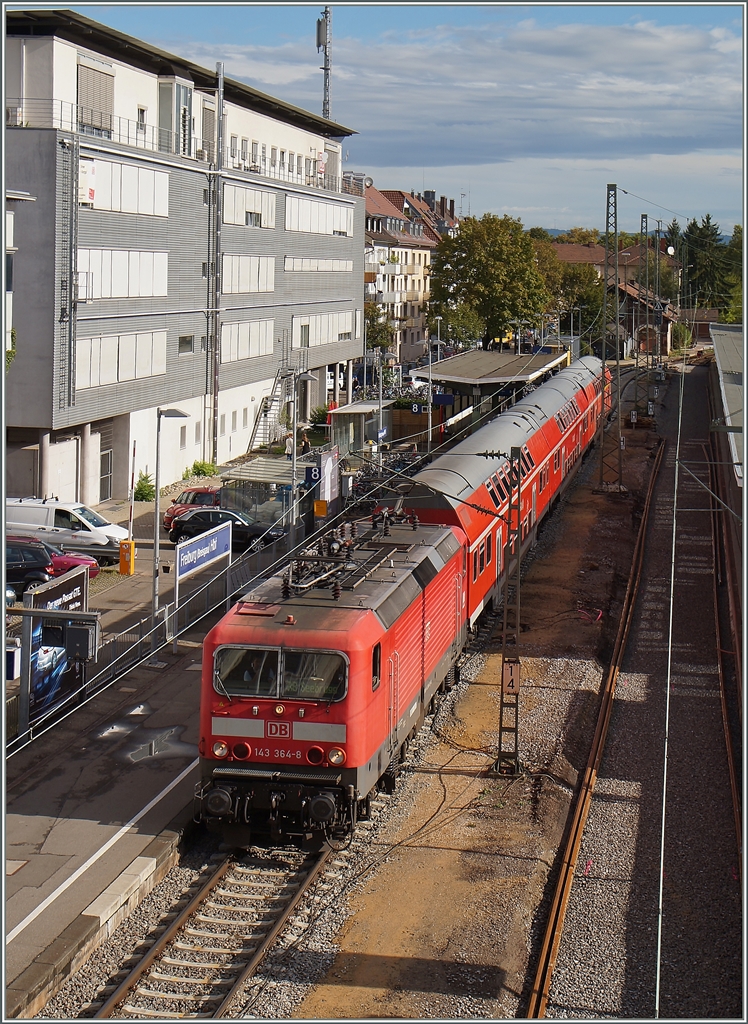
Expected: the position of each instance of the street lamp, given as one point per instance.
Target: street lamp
(294, 483)
(169, 414)
(438, 350)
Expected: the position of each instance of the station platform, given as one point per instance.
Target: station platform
(96, 807)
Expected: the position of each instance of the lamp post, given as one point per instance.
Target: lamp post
(169, 414)
(296, 377)
(438, 349)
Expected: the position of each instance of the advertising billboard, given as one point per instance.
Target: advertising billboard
(53, 677)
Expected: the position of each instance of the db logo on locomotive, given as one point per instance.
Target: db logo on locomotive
(278, 729)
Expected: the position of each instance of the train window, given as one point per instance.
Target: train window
(556, 461)
(313, 675)
(246, 671)
(475, 566)
(489, 538)
(376, 666)
(492, 493)
(482, 556)
(498, 483)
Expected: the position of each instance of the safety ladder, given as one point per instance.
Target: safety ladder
(507, 760)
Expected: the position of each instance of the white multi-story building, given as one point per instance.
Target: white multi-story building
(172, 258)
(396, 274)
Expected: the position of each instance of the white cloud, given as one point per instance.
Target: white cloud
(525, 104)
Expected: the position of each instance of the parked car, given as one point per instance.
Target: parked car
(26, 564)
(62, 561)
(245, 532)
(66, 524)
(205, 496)
(10, 596)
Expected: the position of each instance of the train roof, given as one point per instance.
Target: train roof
(383, 570)
(461, 470)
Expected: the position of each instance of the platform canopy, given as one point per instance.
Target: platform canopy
(478, 367)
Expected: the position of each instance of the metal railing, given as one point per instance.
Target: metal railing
(138, 643)
(71, 117)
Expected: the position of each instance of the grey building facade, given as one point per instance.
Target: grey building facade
(172, 258)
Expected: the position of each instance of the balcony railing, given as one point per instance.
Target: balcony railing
(70, 117)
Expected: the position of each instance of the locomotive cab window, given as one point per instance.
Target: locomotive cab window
(376, 666)
(246, 671)
(313, 675)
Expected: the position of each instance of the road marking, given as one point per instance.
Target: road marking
(99, 853)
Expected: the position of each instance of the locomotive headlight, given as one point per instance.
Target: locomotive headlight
(220, 749)
(335, 755)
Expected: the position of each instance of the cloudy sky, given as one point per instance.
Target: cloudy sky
(522, 109)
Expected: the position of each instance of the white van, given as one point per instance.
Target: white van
(66, 524)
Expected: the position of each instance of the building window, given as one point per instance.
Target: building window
(222, 424)
(253, 220)
(186, 344)
(264, 156)
(233, 421)
(273, 156)
(183, 437)
(204, 343)
(141, 119)
(299, 164)
(245, 418)
(245, 149)
(283, 161)
(198, 432)
(291, 163)
(234, 141)
(304, 335)
(255, 152)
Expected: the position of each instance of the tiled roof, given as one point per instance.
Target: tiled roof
(378, 205)
(572, 252)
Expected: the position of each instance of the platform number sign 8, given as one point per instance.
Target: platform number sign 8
(312, 475)
(510, 677)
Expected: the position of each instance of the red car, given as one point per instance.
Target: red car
(191, 497)
(61, 561)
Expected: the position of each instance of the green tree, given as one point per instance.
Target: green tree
(673, 234)
(733, 313)
(707, 264)
(581, 236)
(551, 269)
(581, 289)
(490, 266)
(460, 323)
(379, 329)
(540, 234)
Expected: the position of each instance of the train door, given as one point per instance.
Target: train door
(534, 504)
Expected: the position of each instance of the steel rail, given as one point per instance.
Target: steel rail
(231, 997)
(163, 941)
(720, 552)
(554, 928)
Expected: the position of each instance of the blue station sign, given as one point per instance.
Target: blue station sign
(193, 555)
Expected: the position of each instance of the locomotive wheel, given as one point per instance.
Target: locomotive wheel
(404, 749)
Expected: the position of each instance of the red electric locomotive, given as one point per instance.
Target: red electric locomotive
(314, 683)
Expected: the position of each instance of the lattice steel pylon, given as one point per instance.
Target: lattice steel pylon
(610, 441)
(507, 759)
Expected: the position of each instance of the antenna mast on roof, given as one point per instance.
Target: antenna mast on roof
(324, 42)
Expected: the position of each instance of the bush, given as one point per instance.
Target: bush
(318, 417)
(203, 468)
(145, 489)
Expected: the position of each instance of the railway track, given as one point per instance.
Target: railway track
(204, 960)
(580, 809)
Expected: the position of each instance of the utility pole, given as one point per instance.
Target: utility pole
(611, 460)
(324, 42)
